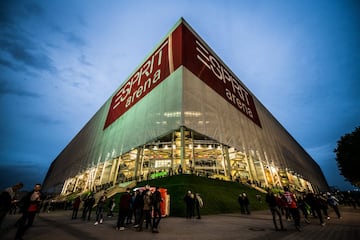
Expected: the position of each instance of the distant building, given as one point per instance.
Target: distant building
(183, 111)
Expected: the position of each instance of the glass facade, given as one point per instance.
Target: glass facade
(185, 151)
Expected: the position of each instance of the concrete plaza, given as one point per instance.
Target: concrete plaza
(58, 225)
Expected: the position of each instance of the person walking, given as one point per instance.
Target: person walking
(315, 206)
(7, 200)
(334, 203)
(88, 205)
(124, 208)
(156, 201)
(274, 209)
(198, 204)
(246, 203)
(146, 210)
(100, 209)
(241, 203)
(130, 214)
(75, 207)
(324, 205)
(138, 205)
(30, 206)
(292, 206)
(304, 207)
(111, 207)
(190, 204)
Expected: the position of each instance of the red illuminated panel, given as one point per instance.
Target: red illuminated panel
(181, 48)
(147, 77)
(205, 65)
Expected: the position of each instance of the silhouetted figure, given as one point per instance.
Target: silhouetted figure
(7, 200)
(75, 207)
(156, 202)
(190, 204)
(88, 205)
(275, 211)
(198, 204)
(244, 203)
(124, 208)
(30, 206)
(334, 203)
(292, 206)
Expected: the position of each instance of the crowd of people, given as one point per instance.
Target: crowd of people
(135, 208)
(289, 206)
(141, 208)
(29, 205)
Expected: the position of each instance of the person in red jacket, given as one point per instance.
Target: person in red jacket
(292, 206)
(30, 206)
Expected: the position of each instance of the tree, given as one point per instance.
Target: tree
(348, 156)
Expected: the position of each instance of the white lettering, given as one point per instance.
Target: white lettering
(221, 73)
(145, 70)
(159, 52)
(143, 89)
(240, 104)
(203, 58)
(147, 67)
(216, 68)
(156, 76)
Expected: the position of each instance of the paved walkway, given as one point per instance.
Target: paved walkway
(57, 225)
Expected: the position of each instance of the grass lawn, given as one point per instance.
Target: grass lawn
(218, 196)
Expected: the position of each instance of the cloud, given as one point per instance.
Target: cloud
(19, 50)
(83, 60)
(29, 174)
(80, 19)
(33, 9)
(10, 65)
(6, 89)
(70, 37)
(43, 120)
(76, 40)
(23, 51)
(12, 11)
(323, 151)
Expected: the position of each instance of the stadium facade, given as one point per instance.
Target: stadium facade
(182, 111)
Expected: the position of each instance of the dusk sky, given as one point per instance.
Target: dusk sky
(61, 60)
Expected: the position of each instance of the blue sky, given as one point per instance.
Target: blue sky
(61, 60)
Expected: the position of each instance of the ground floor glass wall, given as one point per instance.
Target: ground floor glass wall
(186, 152)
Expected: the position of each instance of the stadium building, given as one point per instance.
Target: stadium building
(182, 111)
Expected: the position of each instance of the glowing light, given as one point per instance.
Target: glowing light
(172, 114)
